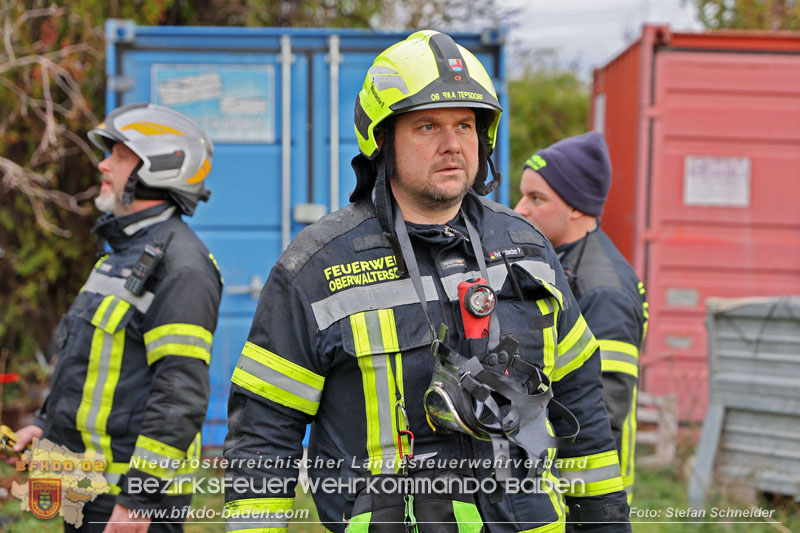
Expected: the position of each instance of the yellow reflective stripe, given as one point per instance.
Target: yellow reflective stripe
(619, 356)
(591, 475)
(554, 291)
(156, 458)
(375, 342)
(187, 340)
(97, 318)
(556, 499)
(550, 337)
(150, 128)
(216, 265)
(283, 366)
(160, 448)
(201, 173)
(102, 376)
(575, 349)
(619, 346)
(257, 513)
(619, 366)
(101, 261)
(277, 379)
(626, 462)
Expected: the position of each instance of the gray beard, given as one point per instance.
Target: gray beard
(431, 199)
(109, 203)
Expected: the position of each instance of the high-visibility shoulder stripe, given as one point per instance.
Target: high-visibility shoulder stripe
(277, 379)
(187, 340)
(575, 349)
(386, 295)
(258, 515)
(110, 285)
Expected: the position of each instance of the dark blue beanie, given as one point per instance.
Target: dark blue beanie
(578, 169)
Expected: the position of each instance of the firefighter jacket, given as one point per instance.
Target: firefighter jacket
(131, 382)
(339, 339)
(612, 300)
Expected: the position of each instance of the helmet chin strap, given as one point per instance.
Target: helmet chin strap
(128, 193)
(480, 186)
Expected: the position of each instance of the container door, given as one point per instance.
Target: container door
(237, 97)
(723, 190)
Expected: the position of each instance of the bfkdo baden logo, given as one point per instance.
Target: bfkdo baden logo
(44, 497)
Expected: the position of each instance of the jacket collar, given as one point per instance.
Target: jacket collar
(117, 230)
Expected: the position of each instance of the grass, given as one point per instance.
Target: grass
(658, 492)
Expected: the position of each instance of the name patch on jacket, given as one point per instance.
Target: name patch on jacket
(361, 273)
(509, 251)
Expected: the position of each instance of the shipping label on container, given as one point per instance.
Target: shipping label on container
(233, 103)
(716, 181)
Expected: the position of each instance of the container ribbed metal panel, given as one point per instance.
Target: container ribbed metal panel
(751, 432)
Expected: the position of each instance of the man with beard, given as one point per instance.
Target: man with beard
(131, 384)
(426, 332)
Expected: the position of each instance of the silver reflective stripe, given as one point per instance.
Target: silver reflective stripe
(112, 478)
(161, 217)
(369, 297)
(266, 521)
(384, 78)
(109, 311)
(167, 464)
(608, 355)
(385, 402)
(106, 285)
(104, 366)
(281, 381)
(592, 475)
(178, 339)
(498, 275)
(567, 357)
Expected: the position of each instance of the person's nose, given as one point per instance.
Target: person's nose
(451, 143)
(104, 166)
(522, 208)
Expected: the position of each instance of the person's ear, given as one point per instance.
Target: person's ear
(379, 138)
(574, 214)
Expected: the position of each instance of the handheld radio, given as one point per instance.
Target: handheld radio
(146, 265)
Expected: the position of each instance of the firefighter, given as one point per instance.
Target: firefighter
(131, 383)
(564, 188)
(416, 391)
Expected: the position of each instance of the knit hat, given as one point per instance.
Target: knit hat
(578, 169)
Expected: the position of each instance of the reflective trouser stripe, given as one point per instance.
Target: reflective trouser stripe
(592, 475)
(259, 514)
(375, 341)
(280, 380)
(550, 335)
(626, 462)
(102, 376)
(618, 356)
(467, 517)
(577, 347)
(186, 340)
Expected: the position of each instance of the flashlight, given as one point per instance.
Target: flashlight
(477, 303)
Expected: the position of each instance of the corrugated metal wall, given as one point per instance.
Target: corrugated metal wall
(751, 435)
(717, 152)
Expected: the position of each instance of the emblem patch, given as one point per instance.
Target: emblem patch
(44, 497)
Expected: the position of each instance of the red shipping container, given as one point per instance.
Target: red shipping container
(704, 135)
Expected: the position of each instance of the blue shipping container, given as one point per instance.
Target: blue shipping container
(278, 105)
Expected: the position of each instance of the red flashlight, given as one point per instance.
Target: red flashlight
(477, 303)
